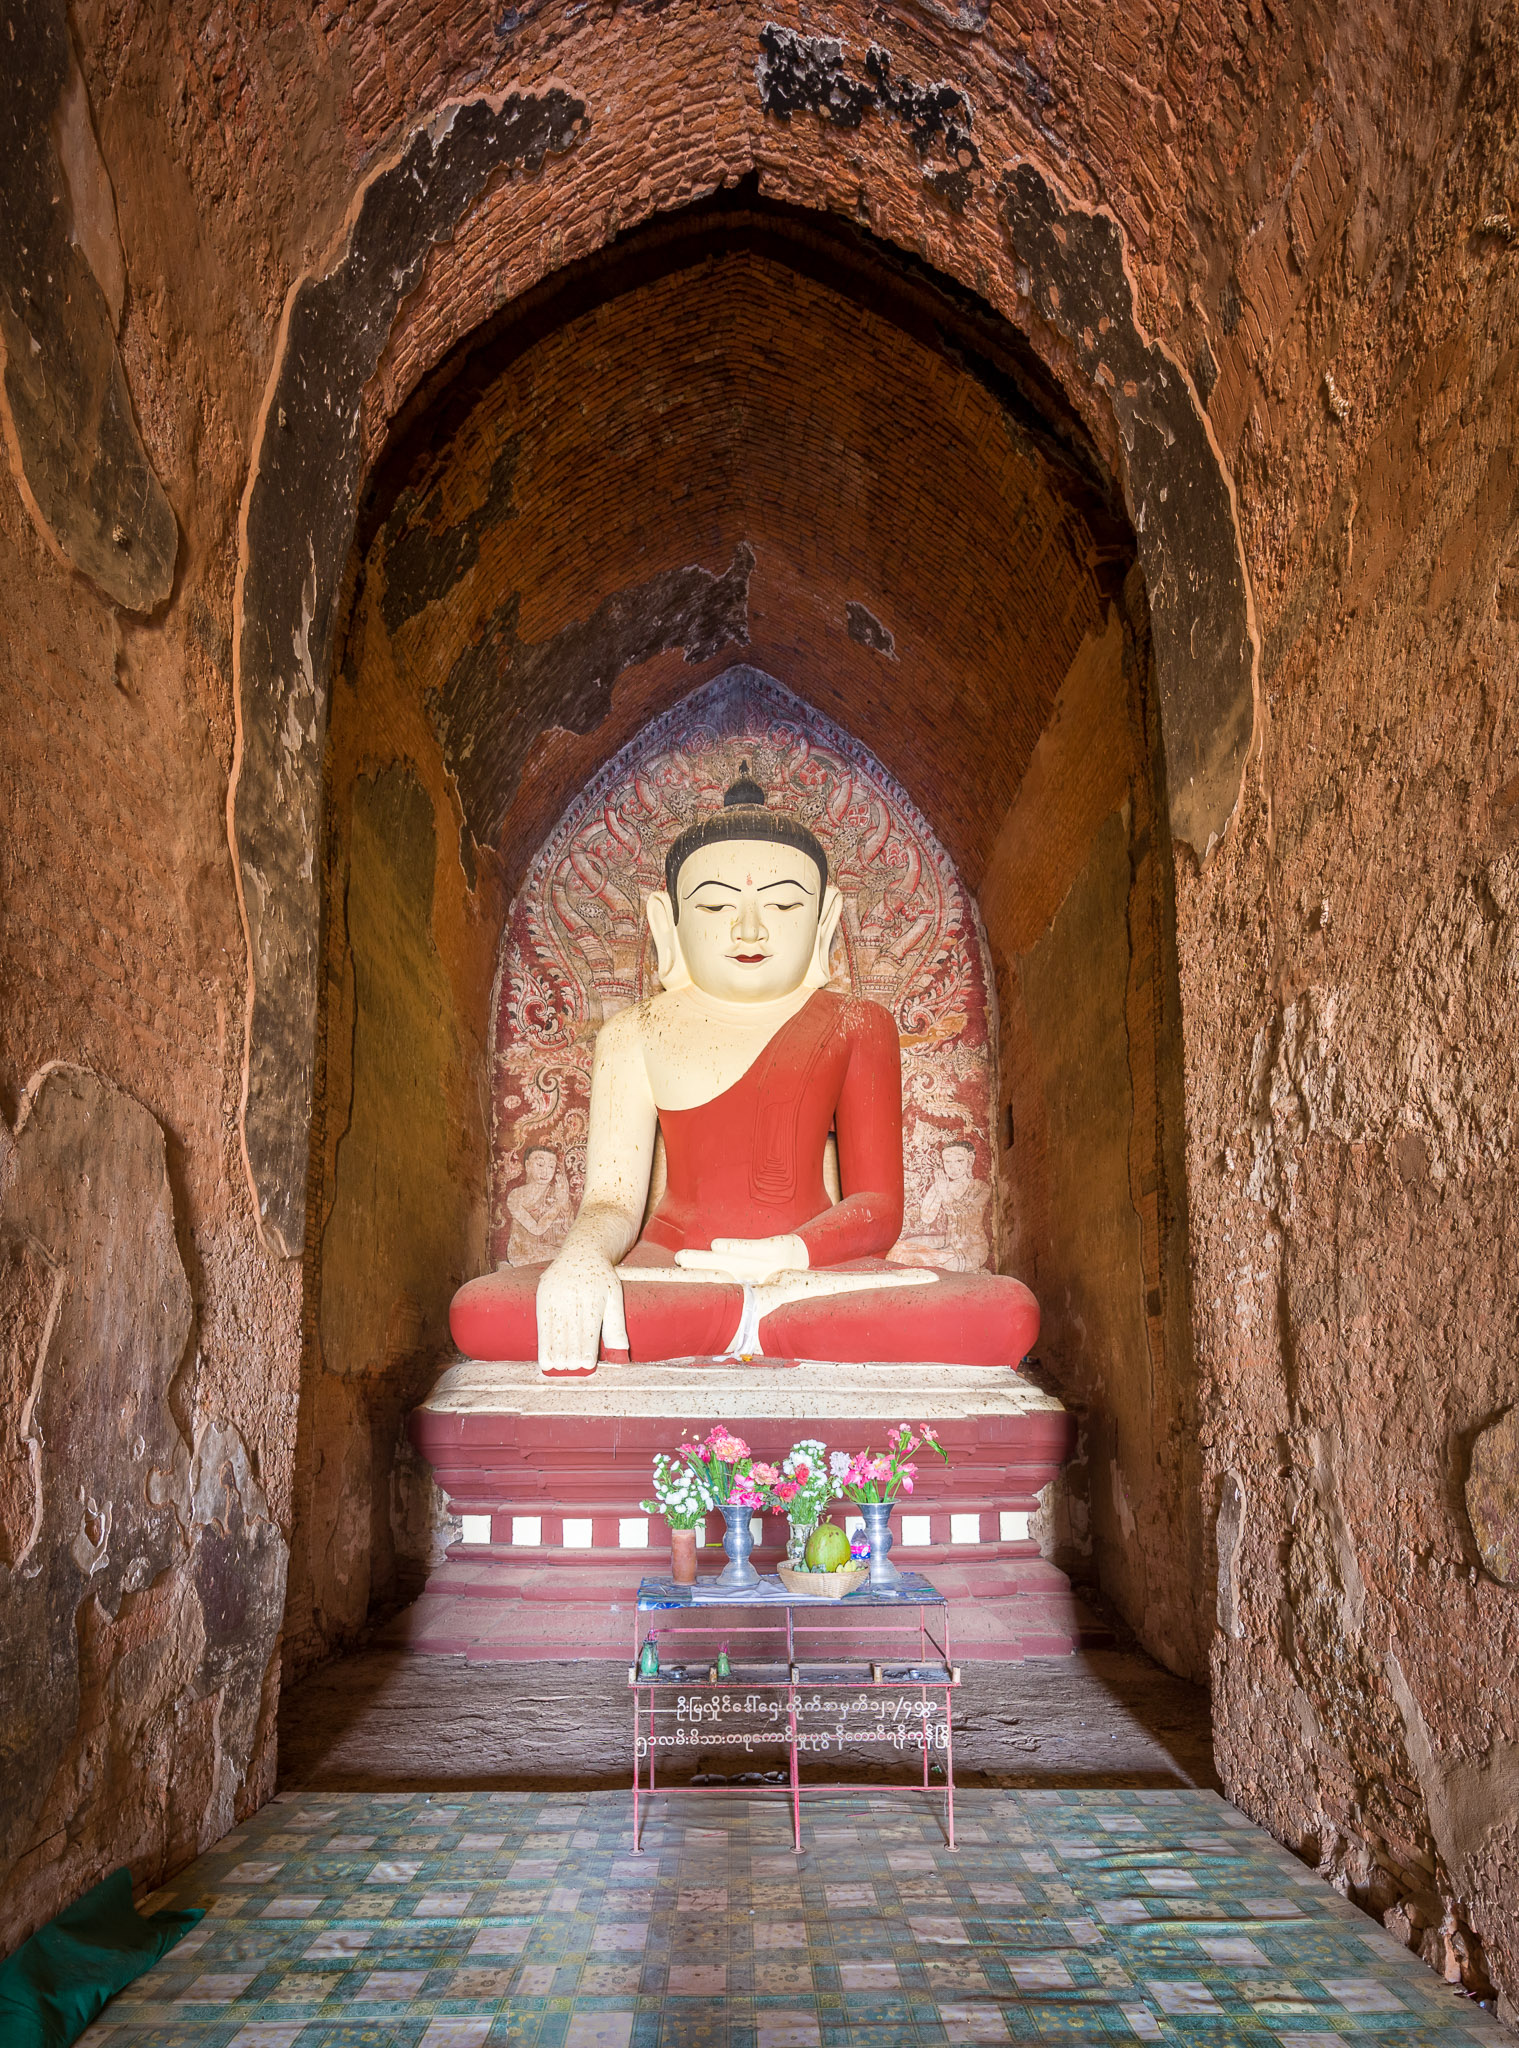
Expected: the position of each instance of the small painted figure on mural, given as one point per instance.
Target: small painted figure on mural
(953, 1209)
(540, 1208)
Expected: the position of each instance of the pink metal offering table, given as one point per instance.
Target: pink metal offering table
(844, 1676)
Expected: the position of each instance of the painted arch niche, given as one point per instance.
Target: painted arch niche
(576, 949)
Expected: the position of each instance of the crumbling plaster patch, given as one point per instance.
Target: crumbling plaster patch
(798, 74)
(1492, 1496)
(118, 1502)
(1073, 271)
(863, 627)
(1180, 496)
(1229, 1532)
(1349, 1065)
(297, 523)
(67, 415)
(502, 693)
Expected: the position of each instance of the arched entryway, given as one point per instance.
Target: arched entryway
(747, 434)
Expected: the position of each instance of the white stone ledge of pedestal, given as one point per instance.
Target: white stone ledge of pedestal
(810, 1392)
(914, 1530)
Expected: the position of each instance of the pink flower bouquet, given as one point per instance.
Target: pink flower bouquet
(870, 1476)
(728, 1467)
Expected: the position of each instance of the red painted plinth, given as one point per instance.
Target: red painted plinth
(558, 1573)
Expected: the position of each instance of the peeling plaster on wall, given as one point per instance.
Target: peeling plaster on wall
(424, 560)
(69, 426)
(1492, 1496)
(86, 1192)
(1180, 498)
(1467, 1801)
(806, 74)
(32, 1288)
(970, 19)
(503, 692)
(124, 1520)
(1473, 1806)
(237, 1567)
(1326, 1589)
(297, 524)
(1325, 1067)
(866, 629)
(1230, 1531)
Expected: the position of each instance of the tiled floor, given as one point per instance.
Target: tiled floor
(489, 1918)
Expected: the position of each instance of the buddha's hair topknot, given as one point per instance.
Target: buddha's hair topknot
(744, 815)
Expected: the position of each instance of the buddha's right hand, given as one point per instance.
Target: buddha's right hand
(572, 1299)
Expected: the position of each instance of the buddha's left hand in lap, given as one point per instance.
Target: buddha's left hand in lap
(751, 1261)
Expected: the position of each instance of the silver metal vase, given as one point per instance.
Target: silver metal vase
(738, 1541)
(884, 1576)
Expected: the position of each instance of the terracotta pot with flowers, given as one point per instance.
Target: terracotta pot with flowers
(683, 1496)
(875, 1481)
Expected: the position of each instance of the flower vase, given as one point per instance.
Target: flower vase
(683, 1556)
(884, 1576)
(797, 1534)
(738, 1541)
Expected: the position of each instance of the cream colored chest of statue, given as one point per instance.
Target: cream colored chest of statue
(695, 1049)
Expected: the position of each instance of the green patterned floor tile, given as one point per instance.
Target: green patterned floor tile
(495, 1920)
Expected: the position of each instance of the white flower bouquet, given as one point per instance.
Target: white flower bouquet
(805, 1486)
(681, 1493)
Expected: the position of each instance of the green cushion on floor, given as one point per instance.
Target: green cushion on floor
(56, 1983)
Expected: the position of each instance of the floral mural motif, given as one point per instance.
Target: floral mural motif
(576, 950)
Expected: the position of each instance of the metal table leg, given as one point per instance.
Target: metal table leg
(637, 1774)
(949, 1765)
(796, 1779)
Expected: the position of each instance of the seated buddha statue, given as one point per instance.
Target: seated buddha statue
(747, 1063)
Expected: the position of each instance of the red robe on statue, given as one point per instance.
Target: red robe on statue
(749, 1163)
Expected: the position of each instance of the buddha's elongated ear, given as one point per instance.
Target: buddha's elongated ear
(669, 961)
(828, 924)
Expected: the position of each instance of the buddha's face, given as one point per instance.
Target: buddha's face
(748, 922)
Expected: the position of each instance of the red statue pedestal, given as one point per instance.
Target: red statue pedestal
(548, 1477)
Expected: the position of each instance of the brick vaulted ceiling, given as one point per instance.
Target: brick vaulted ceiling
(737, 437)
